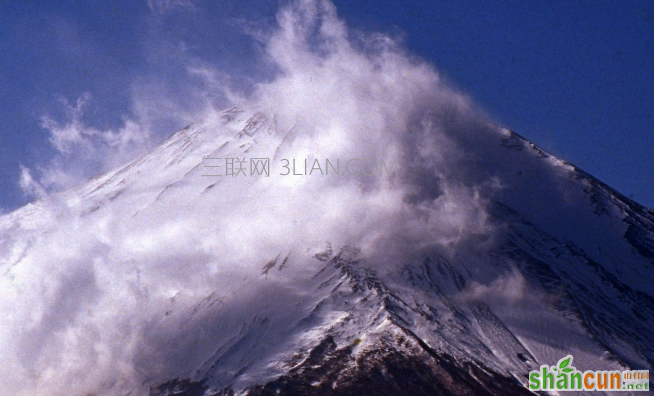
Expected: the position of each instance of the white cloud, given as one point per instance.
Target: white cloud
(28, 185)
(73, 133)
(96, 287)
(505, 289)
(82, 151)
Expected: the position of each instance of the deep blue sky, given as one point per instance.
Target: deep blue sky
(575, 77)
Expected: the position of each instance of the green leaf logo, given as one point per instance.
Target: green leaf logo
(565, 362)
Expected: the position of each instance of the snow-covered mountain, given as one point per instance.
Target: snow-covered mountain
(469, 259)
(154, 279)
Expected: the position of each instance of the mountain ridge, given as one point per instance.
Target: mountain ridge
(571, 272)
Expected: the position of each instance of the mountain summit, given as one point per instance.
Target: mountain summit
(355, 226)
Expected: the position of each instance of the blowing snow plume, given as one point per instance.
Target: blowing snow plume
(161, 277)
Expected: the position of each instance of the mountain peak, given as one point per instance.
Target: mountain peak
(171, 282)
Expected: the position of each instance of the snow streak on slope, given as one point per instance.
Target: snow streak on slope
(482, 258)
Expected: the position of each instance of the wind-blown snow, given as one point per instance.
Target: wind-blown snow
(135, 277)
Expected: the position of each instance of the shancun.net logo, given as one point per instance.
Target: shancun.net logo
(565, 377)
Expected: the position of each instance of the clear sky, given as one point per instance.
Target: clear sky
(575, 77)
